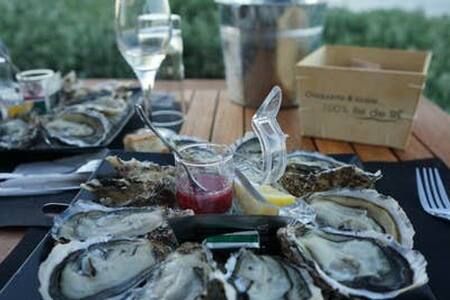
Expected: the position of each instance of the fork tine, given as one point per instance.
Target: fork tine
(434, 190)
(431, 200)
(420, 190)
(441, 189)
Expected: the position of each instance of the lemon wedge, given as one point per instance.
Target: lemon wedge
(249, 205)
(275, 196)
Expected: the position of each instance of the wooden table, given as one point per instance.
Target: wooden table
(213, 117)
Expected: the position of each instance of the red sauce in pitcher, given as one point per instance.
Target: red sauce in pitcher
(217, 198)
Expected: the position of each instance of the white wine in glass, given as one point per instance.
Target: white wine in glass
(143, 32)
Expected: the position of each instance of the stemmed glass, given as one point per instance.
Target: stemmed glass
(143, 32)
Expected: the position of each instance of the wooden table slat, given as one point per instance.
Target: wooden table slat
(229, 121)
(414, 150)
(333, 147)
(432, 128)
(374, 153)
(200, 116)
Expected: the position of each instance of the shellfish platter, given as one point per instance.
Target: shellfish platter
(124, 237)
(86, 119)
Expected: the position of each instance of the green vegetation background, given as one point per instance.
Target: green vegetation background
(78, 35)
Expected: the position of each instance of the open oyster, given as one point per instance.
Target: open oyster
(371, 266)
(77, 126)
(362, 210)
(266, 277)
(140, 170)
(138, 184)
(98, 268)
(106, 105)
(309, 172)
(16, 134)
(184, 274)
(85, 220)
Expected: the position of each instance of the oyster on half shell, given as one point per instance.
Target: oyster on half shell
(98, 268)
(138, 184)
(16, 134)
(85, 220)
(370, 265)
(362, 210)
(184, 274)
(77, 126)
(267, 277)
(309, 172)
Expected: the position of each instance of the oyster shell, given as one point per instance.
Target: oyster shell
(266, 277)
(77, 126)
(184, 274)
(371, 265)
(17, 134)
(247, 156)
(97, 268)
(106, 105)
(139, 184)
(140, 170)
(309, 172)
(86, 219)
(362, 210)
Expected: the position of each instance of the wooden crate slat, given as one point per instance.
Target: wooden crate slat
(414, 150)
(333, 147)
(200, 117)
(432, 127)
(229, 121)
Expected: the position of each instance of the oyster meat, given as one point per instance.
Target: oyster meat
(107, 105)
(370, 265)
(17, 134)
(98, 268)
(266, 277)
(78, 127)
(184, 274)
(86, 219)
(308, 172)
(362, 210)
(138, 184)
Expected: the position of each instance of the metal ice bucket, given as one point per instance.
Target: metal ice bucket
(262, 40)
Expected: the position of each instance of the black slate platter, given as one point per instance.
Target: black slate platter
(117, 129)
(24, 283)
(27, 211)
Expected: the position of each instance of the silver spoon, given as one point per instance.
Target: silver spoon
(149, 124)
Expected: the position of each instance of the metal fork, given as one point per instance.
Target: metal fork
(432, 193)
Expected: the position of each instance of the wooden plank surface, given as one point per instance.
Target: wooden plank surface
(374, 153)
(200, 117)
(229, 121)
(432, 128)
(333, 147)
(414, 150)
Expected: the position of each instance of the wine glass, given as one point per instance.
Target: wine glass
(143, 32)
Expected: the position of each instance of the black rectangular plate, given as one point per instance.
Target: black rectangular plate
(24, 283)
(114, 132)
(27, 211)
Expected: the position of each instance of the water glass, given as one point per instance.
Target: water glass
(169, 102)
(212, 166)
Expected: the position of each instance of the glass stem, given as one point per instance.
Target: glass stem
(147, 80)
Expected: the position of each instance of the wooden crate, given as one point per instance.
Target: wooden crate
(364, 95)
